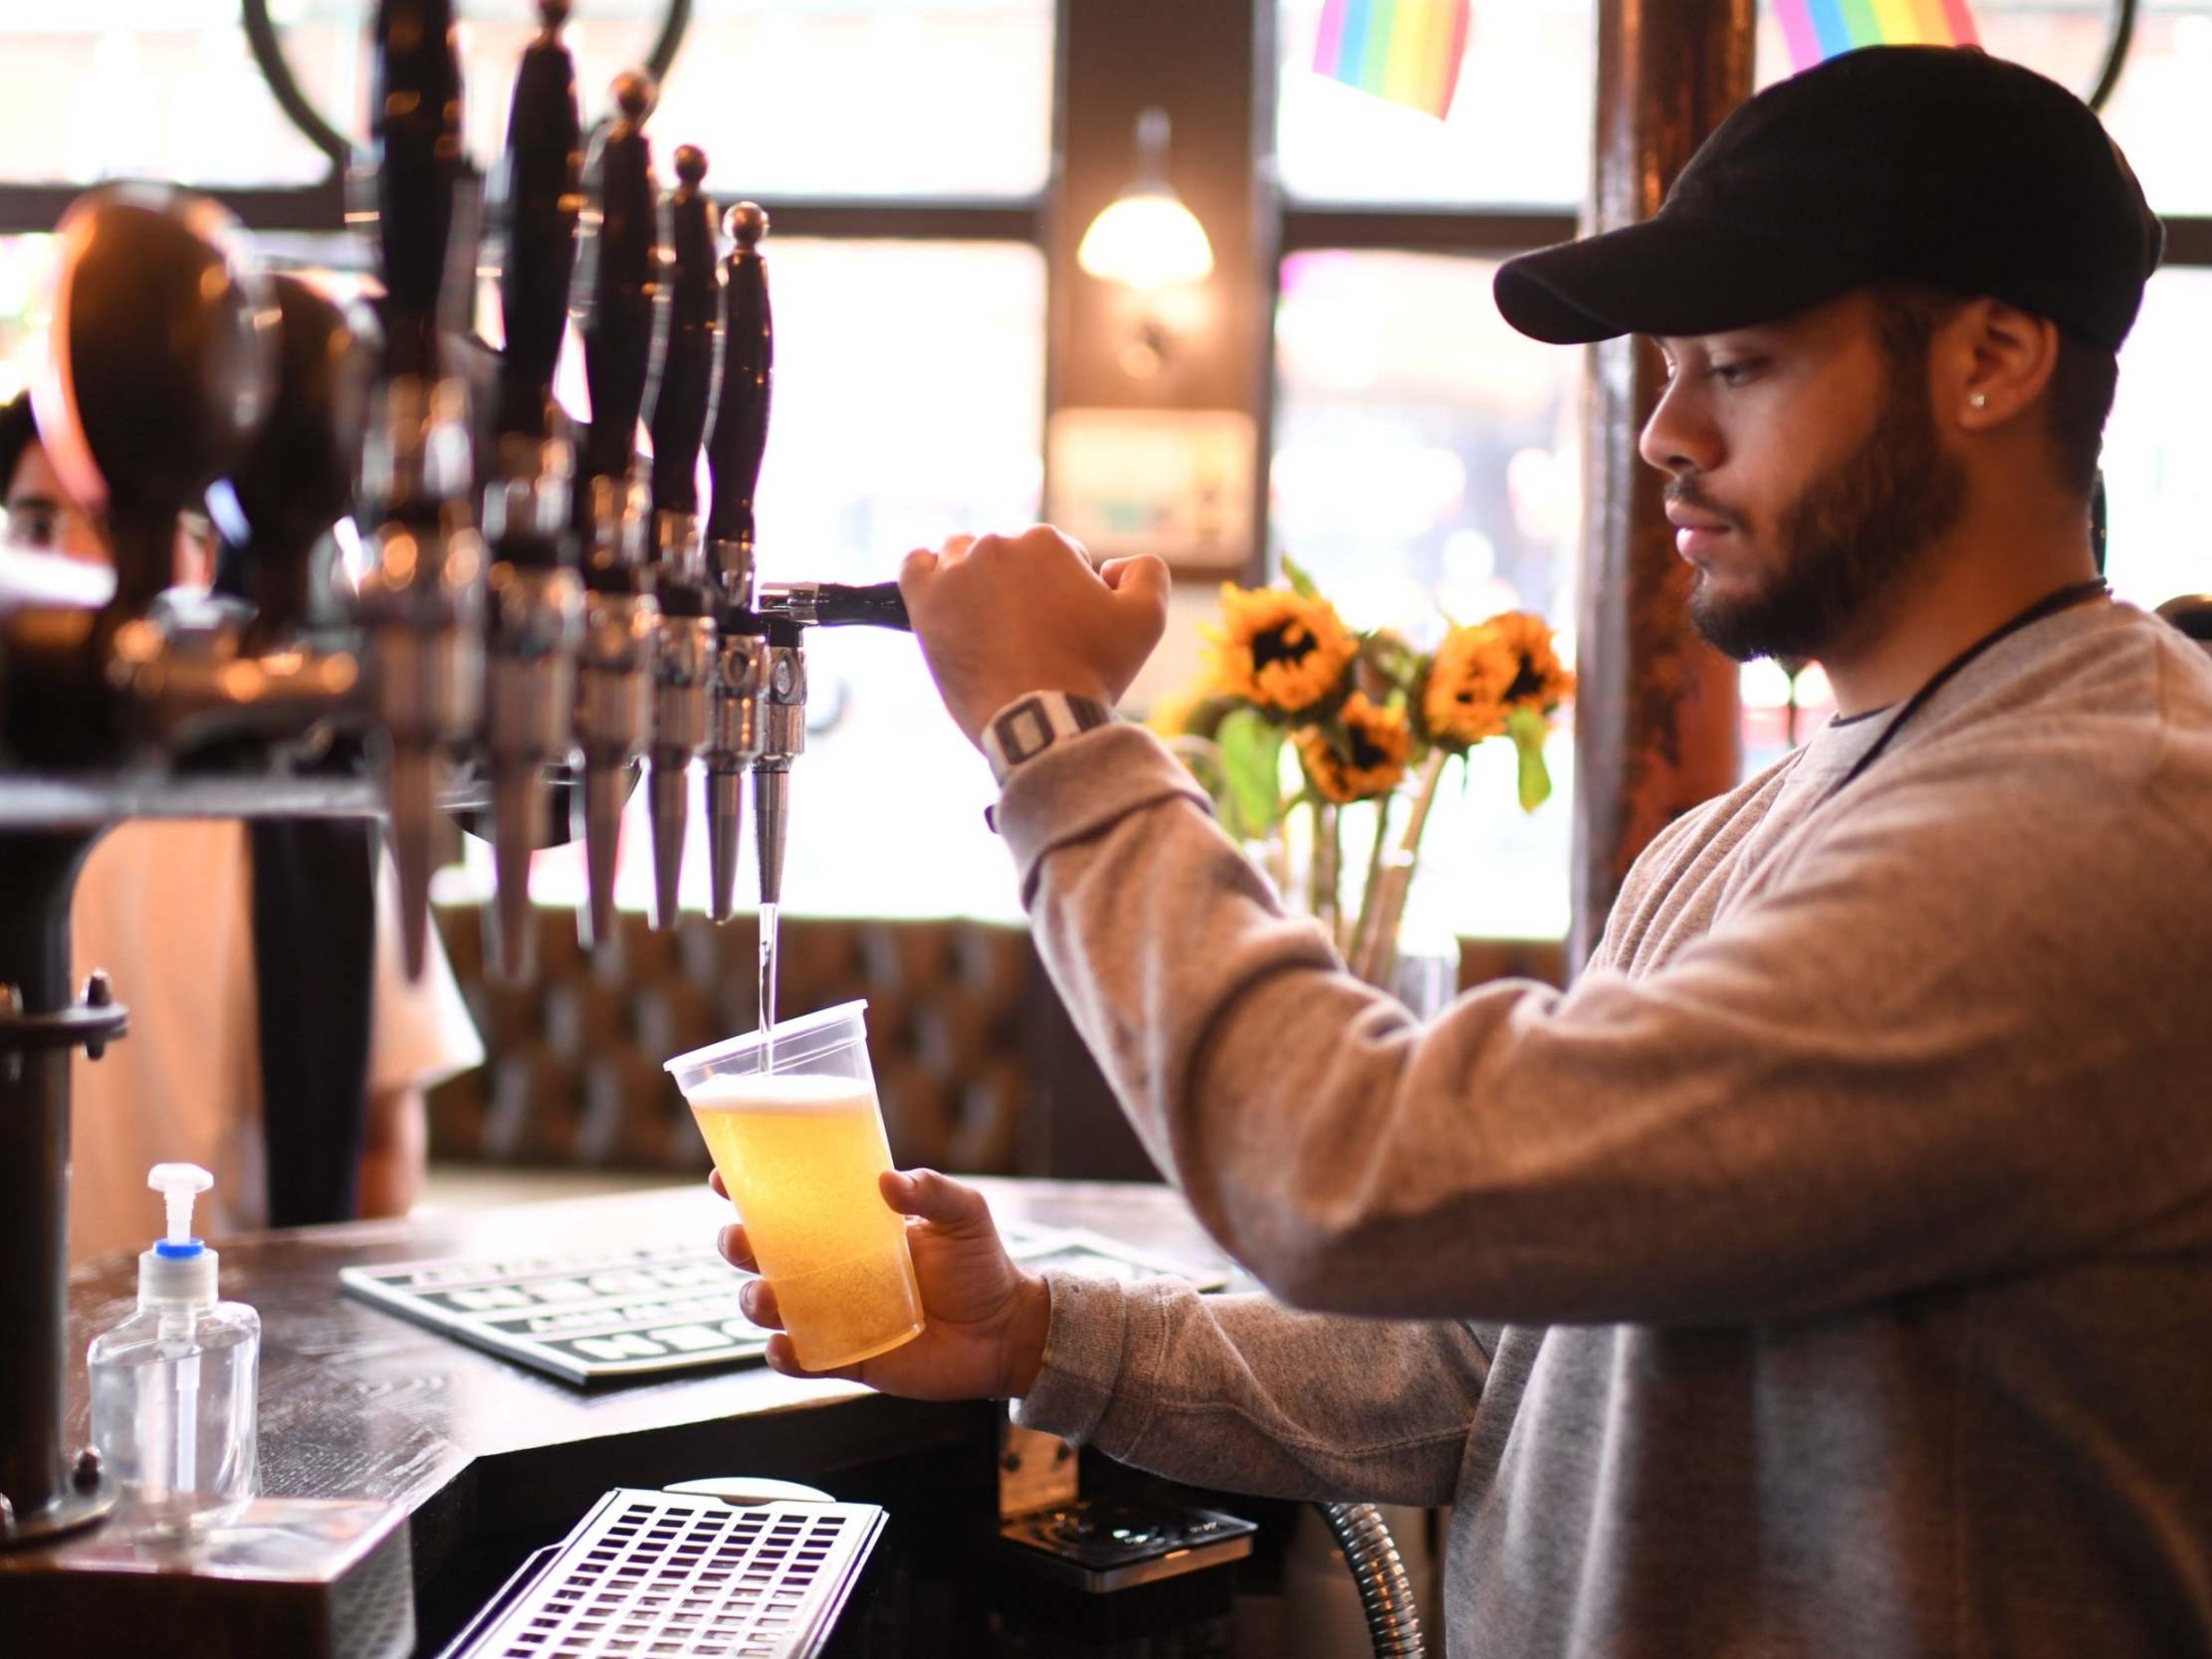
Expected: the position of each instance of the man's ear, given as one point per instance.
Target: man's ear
(2002, 358)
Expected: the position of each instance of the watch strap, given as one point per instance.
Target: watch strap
(1025, 727)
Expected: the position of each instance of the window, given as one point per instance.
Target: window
(1428, 466)
(747, 86)
(1425, 458)
(1518, 134)
(2159, 488)
(964, 85)
(2157, 112)
(326, 46)
(150, 89)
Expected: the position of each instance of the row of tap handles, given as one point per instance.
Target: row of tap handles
(540, 602)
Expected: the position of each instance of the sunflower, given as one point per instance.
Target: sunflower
(1363, 756)
(1281, 649)
(1483, 672)
(1462, 696)
(1539, 683)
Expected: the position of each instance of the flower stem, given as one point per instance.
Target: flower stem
(1275, 858)
(1378, 954)
(1321, 869)
(1363, 925)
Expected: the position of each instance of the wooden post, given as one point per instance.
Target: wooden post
(1656, 707)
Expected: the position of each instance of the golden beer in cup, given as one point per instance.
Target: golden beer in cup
(797, 1132)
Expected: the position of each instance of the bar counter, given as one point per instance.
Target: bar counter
(490, 1460)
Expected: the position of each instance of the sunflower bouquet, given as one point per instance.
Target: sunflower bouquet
(1369, 720)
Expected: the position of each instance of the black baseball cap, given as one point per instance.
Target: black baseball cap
(1931, 163)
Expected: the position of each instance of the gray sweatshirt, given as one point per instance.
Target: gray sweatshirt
(1828, 1272)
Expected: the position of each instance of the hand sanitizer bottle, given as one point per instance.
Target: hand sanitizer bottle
(172, 1387)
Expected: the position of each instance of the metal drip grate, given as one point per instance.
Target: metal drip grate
(657, 1575)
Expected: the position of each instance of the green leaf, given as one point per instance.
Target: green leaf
(1527, 728)
(1389, 656)
(1300, 583)
(1251, 758)
(1203, 757)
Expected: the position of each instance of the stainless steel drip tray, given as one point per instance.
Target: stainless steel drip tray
(655, 1575)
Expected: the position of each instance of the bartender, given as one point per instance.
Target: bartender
(274, 1038)
(1828, 1270)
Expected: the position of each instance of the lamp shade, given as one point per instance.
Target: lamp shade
(1145, 237)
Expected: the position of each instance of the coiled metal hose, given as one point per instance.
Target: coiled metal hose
(1386, 1594)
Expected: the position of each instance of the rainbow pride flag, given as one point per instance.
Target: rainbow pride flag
(1406, 51)
(1818, 29)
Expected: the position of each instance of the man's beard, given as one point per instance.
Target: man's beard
(1848, 540)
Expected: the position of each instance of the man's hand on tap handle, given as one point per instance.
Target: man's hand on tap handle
(1000, 616)
(985, 1316)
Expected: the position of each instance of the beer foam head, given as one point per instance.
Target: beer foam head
(781, 1092)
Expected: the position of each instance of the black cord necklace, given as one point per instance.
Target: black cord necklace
(2066, 598)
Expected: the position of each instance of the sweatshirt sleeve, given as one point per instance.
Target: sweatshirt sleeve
(1927, 1055)
(1241, 1393)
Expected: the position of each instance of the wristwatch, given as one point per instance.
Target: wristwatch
(1025, 727)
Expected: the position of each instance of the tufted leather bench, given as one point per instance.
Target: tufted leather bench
(574, 1076)
(977, 1065)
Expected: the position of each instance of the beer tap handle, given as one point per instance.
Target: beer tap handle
(536, 610)
(619, 279)
(685, 662)
(618, 285)
(163, 367)
(415, 130)
(534, 199)
(299, 478)
(833, 605)
(160, 372)
(741, 427)
(679, 414)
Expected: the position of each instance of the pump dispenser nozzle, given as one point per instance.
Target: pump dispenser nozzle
(179, 1184)
(179, 1269)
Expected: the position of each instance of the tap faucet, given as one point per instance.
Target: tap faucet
(783, 741)
(788, 608)
(684, 662)
(534, 611)
(618, 286)
(421, 603)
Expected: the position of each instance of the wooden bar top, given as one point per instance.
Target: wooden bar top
(358, 1403)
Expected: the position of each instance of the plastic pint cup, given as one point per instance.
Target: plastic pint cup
(800, 1145)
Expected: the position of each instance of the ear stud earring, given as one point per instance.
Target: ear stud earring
(1978, 400)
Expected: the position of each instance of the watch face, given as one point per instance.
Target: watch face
(1030, 726)
(1022, 730)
